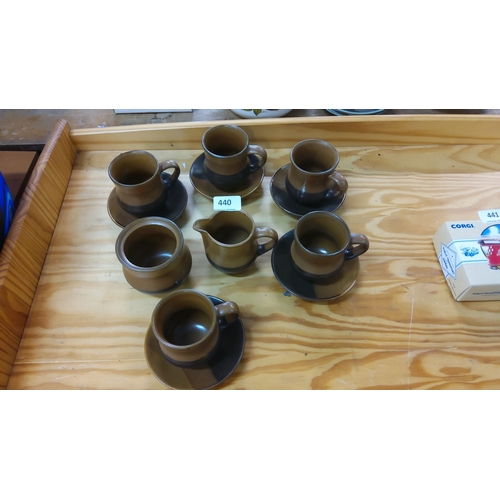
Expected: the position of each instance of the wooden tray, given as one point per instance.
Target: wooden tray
(70, 320)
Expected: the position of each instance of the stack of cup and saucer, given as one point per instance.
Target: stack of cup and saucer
(318, 259)
(310, 181)
(194, 341)
(144, 188)
(229, 165)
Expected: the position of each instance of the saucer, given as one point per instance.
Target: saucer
(206, 375)
(288, 204)
(206, 188)
(287, 275)
(172, 209)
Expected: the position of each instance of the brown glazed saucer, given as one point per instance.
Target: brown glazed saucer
(288, 204)
(172, 209)
(206, 375)
(206, 188)
(291, 279)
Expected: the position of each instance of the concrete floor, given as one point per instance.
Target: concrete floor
(33, 126)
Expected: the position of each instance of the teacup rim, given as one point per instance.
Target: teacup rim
(224, 125)
(185, 291)
(133, 151)
(322, 255)
(315, 174)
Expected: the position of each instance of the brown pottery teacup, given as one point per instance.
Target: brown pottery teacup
(227, 149)
(312, 177)
(322, 243)
(140, 188)
(187, 326)
(153, 254)
(231, 240)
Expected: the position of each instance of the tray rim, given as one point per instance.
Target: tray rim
(374, 130)
(27, 243)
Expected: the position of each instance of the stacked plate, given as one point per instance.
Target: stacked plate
(355, 112)
(261, 113)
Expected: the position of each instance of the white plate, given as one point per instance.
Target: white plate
(261, 113)
(355, 112)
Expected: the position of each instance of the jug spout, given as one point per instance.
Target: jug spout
(201, 225)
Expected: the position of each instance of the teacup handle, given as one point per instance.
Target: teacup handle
(362, 245)
(253, 149)
(164, 165)
(228, 310)
(340, 183)
(266, 232)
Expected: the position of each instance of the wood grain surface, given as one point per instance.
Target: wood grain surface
(397, 328)
(286, 132)
(23, 254)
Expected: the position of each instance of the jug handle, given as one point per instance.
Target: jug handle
(266, 232)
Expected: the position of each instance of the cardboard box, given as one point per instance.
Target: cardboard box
(469, 254)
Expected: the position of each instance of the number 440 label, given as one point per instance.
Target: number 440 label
(489, 215)
(227, 203)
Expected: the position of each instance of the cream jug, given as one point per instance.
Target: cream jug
(231, 240)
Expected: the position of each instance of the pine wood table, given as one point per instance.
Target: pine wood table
(69, 320)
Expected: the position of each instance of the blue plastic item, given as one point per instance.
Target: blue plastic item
(6, 210)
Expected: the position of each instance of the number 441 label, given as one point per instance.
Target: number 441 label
(227, 203)
(489, 215)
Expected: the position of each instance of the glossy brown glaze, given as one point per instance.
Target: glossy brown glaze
(231, 240)
(312, 177)
(323, 242)
(227, 151)
(186, 325)
(139, 185)
(153, 254)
